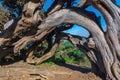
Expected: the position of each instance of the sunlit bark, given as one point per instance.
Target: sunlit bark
(102, 49)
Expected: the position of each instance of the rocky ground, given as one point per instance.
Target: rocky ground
(23, 71)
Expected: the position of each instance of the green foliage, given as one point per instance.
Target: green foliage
(49, 61)
(67, 53)
(68, 60)
(40, 50)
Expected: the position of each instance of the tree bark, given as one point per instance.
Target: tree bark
(102, 45)
(103, 51)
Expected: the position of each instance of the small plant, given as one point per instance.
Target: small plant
(67, 53)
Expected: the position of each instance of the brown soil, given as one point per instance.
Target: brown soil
(23, 71)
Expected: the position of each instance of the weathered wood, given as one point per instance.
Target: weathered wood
(72, 17)
(103, 51)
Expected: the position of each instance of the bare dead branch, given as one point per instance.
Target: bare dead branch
(50, 53)
(57, 7)
(27, 20)
(84, 3)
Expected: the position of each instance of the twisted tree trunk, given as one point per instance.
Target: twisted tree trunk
(107, 50)
(104, 52)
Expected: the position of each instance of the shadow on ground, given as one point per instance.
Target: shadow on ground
(76, 68)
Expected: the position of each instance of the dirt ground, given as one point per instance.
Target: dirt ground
(23, 71)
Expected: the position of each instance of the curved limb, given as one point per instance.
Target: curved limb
(50, 53)
(57, 7)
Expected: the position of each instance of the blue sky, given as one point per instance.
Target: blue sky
(118, 2)
(78, 30)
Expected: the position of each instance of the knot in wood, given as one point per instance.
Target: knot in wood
(91, 43)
